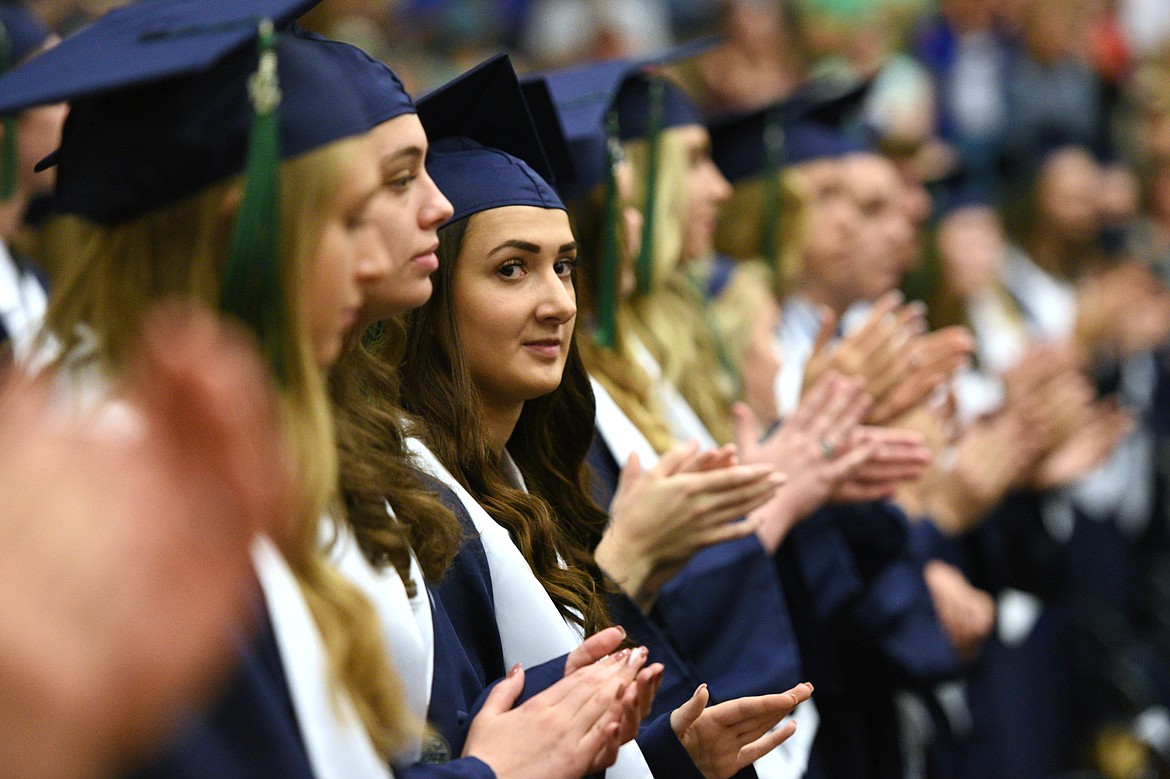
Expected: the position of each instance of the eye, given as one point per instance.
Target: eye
(511, 269)
(399, 182)
(565, 266)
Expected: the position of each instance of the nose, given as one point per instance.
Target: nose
(436, 209)
(558, 299)
(719, 186)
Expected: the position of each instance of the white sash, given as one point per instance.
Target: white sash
(532, 631)
(407, 626)
(336, 742)
(684, 422)
(619, 433)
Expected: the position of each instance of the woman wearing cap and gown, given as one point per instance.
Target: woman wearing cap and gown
(549, 594)
(138, 237)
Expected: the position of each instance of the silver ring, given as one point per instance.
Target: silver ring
(827, 448)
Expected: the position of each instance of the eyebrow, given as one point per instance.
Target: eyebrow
(532, 248)
(408, 151)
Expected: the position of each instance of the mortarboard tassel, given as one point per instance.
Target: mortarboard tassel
(251, 286)
(774, 153)
(653, 140)
(8, 151)
(607, 295)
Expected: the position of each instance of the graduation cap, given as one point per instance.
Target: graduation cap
(171, 96)
(21, 34)
(819, 121)
(485, 148)
(382, 93)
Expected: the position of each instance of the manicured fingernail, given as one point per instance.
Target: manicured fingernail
(620, 655)
(639, 655)
(514, 670)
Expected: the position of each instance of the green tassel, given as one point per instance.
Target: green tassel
(653, 139)
(251, 286)
(8, 152)
(607, 293)
(774, 154)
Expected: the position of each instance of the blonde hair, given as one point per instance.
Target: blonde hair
(111, 274)
(669, 319)
(616, 369)
(741, 228)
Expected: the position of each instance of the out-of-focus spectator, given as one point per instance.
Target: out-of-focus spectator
(969, 54)
(561, 32)
(762, 60)
(1053, 97)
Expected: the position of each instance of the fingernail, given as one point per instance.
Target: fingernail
(625, 635)
(513, 670)
(621, 655)
(639, 655)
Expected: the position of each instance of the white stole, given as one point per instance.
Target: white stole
(620, 434)
(336, 742)
(532, 631)
(684, 423)
(407, 626)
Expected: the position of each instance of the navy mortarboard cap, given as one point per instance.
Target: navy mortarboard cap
(134, 150)
(21, 32)
(818, 121)
(171, 96)
(552, 131)
(635, 105)
(485, 147)
(381, 91)
(487, 105)
(142, 42)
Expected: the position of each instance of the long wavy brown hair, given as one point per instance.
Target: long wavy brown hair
(373, 463)
(555, 524)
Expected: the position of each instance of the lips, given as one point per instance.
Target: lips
(546, 347)
(428, 259)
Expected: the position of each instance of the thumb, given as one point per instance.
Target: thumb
(503, 696)
(746, 427)
(682, 718)
(631, 472)
(595, 647)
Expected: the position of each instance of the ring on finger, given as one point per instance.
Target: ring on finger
(828, 448)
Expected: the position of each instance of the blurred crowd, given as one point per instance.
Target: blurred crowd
(1027, 151)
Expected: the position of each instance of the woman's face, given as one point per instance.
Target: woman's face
(347, 256)
(407, 214)
(514, 303)
(707, 189)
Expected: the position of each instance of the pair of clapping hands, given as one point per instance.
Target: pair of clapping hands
(577, 725)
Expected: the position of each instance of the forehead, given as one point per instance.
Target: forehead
(548, 228)
(871, 175)
(818, 173)
(402, 132)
